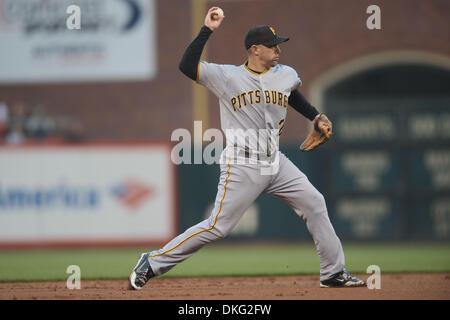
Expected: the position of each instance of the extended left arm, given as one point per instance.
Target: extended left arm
(323, 128)
(299, 103)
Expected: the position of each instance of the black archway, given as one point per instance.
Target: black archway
(389, 164)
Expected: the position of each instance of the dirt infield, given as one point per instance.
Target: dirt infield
(393, 286)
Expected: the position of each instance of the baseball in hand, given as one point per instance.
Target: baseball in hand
(218, 13)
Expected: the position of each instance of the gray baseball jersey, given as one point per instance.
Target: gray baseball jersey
(253, 112)
(252, 106)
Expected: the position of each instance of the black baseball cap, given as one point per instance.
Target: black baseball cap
(263, 35)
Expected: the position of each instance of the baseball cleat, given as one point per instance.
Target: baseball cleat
(141, 273)
(342, 279)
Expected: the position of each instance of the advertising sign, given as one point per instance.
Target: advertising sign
(77, 40)
(87, 194)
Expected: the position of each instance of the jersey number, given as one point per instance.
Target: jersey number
(281, 124)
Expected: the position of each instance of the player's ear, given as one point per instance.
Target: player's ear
(253, 50)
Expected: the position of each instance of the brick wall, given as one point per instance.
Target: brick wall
(323, 34)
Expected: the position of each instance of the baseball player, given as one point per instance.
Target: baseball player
(253, 99)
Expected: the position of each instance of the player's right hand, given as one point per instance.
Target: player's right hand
(210, 22)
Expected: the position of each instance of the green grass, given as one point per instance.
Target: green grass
(235, 259)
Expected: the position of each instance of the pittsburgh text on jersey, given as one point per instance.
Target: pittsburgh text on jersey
(255, 97)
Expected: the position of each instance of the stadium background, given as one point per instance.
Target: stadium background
(385, 174)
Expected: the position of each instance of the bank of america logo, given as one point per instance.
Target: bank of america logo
(132, 194)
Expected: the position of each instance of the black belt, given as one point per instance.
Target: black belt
(258, 156)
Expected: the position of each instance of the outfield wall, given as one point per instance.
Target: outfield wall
(131, 194)
(405, 204)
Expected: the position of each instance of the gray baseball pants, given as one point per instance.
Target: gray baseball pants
(238, 188)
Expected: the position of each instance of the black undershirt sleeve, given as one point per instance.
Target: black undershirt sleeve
(191, 58)
(299, 103)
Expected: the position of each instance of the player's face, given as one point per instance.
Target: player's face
(269, 55)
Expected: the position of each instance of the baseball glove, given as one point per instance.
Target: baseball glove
(322, 131)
